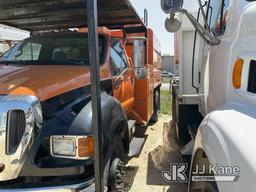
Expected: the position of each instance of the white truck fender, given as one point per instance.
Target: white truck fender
(228, 138)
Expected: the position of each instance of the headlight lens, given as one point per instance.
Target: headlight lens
(72, 147)
(63, 146)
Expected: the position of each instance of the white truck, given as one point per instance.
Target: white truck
(216, 120)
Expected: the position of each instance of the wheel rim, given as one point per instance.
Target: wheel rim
(116, 175)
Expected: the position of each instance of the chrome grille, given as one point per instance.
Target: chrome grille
(18, 116)
(16, 125)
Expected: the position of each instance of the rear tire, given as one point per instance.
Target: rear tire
(181, 125)
(154, 117)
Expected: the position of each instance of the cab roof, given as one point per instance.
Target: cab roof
(42, 15)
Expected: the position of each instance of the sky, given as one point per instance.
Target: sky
(157, 18)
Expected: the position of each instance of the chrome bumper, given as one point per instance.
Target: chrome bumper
(82, 187)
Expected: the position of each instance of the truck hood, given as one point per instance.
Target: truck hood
(42, 81)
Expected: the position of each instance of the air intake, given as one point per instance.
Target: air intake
(16, 125)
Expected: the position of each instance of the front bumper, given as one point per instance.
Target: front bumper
(87, 186)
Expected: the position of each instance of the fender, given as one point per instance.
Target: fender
(75, 118)
(112, 115)
(227, 137)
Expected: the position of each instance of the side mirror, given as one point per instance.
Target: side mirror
(171, 6)
(141, 73)
(172, 23)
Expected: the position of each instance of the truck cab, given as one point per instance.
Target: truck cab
(217, 129)
(46, 114)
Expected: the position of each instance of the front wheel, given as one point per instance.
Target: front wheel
(156, 100)
(116, 176)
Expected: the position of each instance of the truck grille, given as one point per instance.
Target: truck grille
(16, 125)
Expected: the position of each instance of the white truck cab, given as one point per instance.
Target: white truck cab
(220, 127)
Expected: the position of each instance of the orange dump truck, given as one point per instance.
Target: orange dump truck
(139, 93)
(45, 106)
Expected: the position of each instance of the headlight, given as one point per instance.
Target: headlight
(71, 147)
(63, 146)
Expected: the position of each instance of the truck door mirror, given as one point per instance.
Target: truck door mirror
(171, 6)
(172, 23)
(138, 53)
(140, 70)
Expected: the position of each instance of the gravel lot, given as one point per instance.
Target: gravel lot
(159, 151)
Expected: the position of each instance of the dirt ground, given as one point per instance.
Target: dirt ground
(160, 149)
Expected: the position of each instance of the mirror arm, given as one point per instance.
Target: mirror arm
(204, 15)
(121, 74)
(204, 33)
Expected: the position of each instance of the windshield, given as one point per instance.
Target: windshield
(59, 49)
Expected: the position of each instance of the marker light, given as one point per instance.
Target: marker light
(237, 73)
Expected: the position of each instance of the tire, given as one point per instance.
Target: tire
(187, 115)
(154, 117)
(181, 126)
(116, 176)
(116, 160)
(177, 121)
(210, 187)
(174, 117)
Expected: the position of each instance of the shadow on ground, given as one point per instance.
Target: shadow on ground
(130, 173)
(160, 159)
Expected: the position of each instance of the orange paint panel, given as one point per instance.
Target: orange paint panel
(117, 33)
(150, 47)
(144, 99)
(101, 30)
(128, 104)
(124, 92)
(44, 81)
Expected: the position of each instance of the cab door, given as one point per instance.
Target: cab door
(216, 58)
(123, 82)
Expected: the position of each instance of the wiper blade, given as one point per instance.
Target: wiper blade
(9, 62)
(45, 62)
(78, 61)
(60, 62)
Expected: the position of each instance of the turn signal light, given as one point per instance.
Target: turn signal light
(237, 73)
(85, 147)
(23, 91)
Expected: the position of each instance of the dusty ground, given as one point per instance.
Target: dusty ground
(158, 152)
